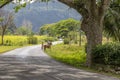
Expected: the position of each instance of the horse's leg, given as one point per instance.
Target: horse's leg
(42, 45)
(45, 46)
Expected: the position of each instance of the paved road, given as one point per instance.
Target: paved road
(31, 63)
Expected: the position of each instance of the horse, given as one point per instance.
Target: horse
(48, 45)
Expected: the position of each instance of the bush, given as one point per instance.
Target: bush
(32, 40)
(107, 54)
(66, 41)
(8, 43)
(49, 39)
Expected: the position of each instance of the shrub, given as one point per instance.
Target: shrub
(107, 54)
(66, 41)
(32, 40)
(49, 39)
(8, 43)
(20, 43)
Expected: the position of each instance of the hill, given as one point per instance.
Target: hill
(40, 13)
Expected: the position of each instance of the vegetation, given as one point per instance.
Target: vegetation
(7, 48)
(24, 40)
(107, 54)
(25, 29)
(107, 58)
(61, 28)
(112, 21)
(73, 55)
(5, 22)
(68, 29)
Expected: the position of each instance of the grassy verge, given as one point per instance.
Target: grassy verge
(72, 55)
(7, 48)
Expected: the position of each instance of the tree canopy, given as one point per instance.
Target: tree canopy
(61, 28)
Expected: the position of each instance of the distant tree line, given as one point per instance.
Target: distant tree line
(62, 28)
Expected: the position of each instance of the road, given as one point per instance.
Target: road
(31, 63)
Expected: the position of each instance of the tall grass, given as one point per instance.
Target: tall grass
(18, 40)
(72, 55)
(7, 48)
(14, 41)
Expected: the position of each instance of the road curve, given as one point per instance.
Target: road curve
(31, 63)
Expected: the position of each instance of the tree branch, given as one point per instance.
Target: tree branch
(68, 2)
(103, 7)
(79, 5)
(5, 3)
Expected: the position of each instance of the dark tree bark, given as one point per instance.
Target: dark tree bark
(5, 3)
(2, 34)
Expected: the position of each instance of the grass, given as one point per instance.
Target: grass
(7, 48)
(18, 40)
(72, 55)
(15, 41)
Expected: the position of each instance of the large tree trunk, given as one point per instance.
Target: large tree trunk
(93, 31)
(2, 34)
(2, 37)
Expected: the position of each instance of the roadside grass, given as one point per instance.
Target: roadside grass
(16, 41)
(7, 48)
(73, 55)
(69, 54)
(19, 40)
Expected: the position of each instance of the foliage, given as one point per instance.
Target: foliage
(12, 40)
(25, 29)
(61, 28)
(107, 54)
(49, 39)
(7, 21)
(32, 40)
(15, 40)
(18, 7)
(73, 55)
(7, 48)
(66, 41)
(112, 21)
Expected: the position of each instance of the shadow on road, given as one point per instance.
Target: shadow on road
(42, 68)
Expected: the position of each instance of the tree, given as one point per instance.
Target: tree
(25, 29)
(112, 21)
(11, 30)
(4, 2)
(7, 21)
(61, 28)
(92, 12)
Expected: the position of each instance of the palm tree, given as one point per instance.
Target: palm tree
(112, 21)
